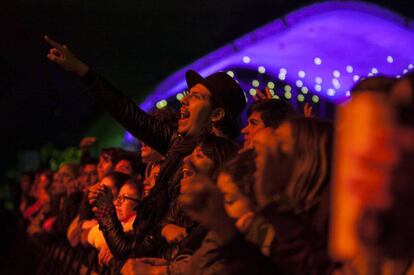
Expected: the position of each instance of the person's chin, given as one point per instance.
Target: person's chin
(182, 128)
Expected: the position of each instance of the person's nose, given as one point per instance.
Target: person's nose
(245, 130)
(184, 100)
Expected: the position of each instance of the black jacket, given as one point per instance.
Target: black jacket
(159, 136)
(279, 241)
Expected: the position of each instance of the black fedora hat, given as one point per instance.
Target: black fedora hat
(223, 88)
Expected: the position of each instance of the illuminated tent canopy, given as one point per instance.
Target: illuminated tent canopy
(320, 50)
(315, 54)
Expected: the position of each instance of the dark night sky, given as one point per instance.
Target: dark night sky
(136, 44)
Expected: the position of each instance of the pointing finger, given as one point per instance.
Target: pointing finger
(260, 95)
(53, 43)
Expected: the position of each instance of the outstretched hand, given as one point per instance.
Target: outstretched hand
(99, 195)
(307, 110)
(204, 203)
(105, 256)
(173, 233)
(262, 95)
(61, 55)
(87, 142)
(273, 171)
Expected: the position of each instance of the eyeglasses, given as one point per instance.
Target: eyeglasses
(121, 199)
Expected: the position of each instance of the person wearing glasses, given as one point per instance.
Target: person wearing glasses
(125, 203)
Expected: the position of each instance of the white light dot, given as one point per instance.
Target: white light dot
(272, 92)
(370, 74)
(255, 83)
(374, 70)
(348, 93)
(179, 96)
(336, 83)
(261, 69)
(410, 66)
(390, 59)
(317, 61)
(252, 92)
(405, 71)
(398, 76)
(315, 99)
(271, 85)
(304, 90)
(301, 74)
(356, 78)
(299, 83)
(288, 88)
(246, 59)
(230, 73)
(349, 69)
(336, 74)
(318, 88)
(283, 71)
(331, 92)
(282, 76)
(301, 98)
(276, 97)
(318, 80)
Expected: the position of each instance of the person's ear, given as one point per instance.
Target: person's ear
(218, 114)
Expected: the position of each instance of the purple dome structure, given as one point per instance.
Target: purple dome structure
(325, 47)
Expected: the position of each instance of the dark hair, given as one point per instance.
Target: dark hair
(135, 162)
(168, 116)
(228, 125)
(405, 108)
(29, 174)
(218, 149)
(118, 178)
(89, 160)
(379, 84)
(311, 160)
(241, 168)
(151, 165)
(115, 154)
(272, 111)
(136, 185)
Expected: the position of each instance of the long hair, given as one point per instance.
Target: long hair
(242, 168)
(218, 149)
(311, 160)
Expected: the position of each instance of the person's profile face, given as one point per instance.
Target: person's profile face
(105, 166)
(236, 203)
(254, 124)
(195, 111)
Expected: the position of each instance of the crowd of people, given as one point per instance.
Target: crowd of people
(195, 201)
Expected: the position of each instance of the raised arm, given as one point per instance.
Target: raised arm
(144, 127)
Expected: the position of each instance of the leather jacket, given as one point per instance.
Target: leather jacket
(145, 240)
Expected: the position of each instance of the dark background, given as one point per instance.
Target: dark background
(134, 43)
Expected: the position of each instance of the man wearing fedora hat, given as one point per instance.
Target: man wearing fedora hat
(213, 105)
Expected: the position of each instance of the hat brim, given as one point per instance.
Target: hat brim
(193, 78)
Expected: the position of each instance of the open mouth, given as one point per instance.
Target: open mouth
(184, 114)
